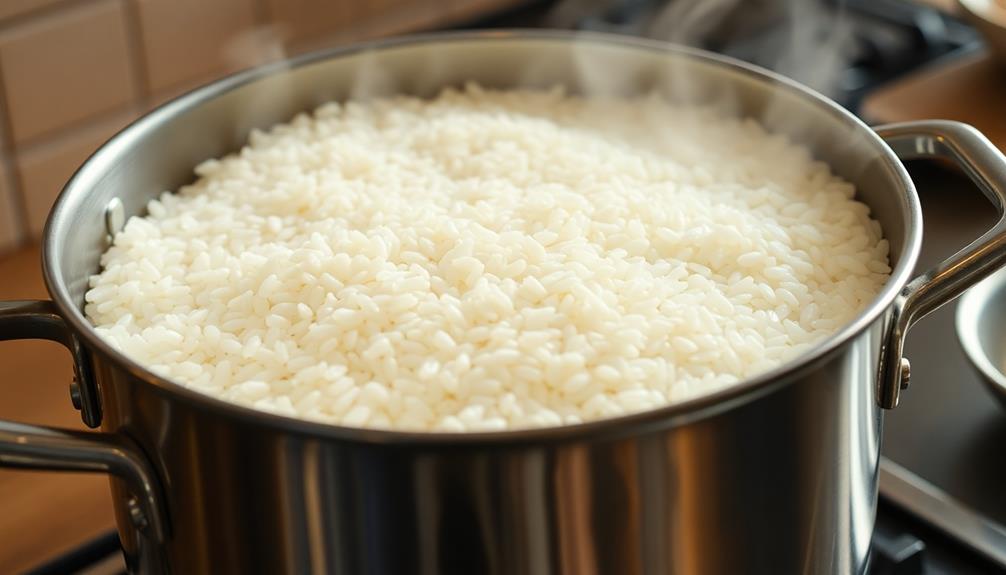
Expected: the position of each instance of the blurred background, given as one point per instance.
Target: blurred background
(73, 72)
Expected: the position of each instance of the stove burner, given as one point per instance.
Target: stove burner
(904, 545)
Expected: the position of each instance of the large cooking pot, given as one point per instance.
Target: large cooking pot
(775, 475)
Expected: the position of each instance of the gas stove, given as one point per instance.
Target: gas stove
(846, 47)
(902, 545)
(942, 507)
(942, 468)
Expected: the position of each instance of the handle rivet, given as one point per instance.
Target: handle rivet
(75, 396)
(906, 373)
(136, 514)
(115, 217)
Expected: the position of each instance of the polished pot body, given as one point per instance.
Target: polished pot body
(783, 481)
(775, 475)
(783, 484)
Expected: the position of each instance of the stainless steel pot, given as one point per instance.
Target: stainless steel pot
(776, 475)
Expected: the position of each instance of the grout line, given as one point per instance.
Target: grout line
(18, 203)
(8, 159)
(127, 113)
(82, 123)
(95, 118)
(118, 118)
(137, 55)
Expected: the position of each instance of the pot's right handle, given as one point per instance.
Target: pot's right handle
(34, 447)
(986, 166)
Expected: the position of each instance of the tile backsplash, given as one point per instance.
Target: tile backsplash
(73, 72)
(43, 169)
(185, 41)
(63, 70)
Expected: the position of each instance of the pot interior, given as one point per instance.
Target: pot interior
(159, 151)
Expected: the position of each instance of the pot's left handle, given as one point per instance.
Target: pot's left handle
(985, 165)
(34, 447)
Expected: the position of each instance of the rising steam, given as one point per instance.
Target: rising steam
(807, 40)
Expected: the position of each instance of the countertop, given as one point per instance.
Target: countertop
(970, 89)
(42, 514)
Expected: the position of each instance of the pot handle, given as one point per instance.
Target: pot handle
(985, 165)
(34, 447)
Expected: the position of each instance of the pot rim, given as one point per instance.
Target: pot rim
(675, 414)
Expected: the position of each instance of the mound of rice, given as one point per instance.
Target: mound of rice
(489, 260)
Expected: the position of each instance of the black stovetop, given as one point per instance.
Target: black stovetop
(943, 463)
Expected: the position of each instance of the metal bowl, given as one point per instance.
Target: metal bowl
(982, 332)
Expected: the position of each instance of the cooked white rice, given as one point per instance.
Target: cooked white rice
(489, 260)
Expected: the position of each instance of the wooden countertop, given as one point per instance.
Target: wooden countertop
(42, 514)
(969, 89)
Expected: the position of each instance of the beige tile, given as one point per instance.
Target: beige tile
(376, 19)
(44, 169)
(65, 68)
(303, 21)
(185, 40)
(254, 47)
(10, 229)
(3, 127)
(11, 8)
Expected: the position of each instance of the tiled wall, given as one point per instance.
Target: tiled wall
(72, 72)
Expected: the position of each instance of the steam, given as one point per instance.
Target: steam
(817, 45)
(253, 47)
(807, 40)
(690, 21)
